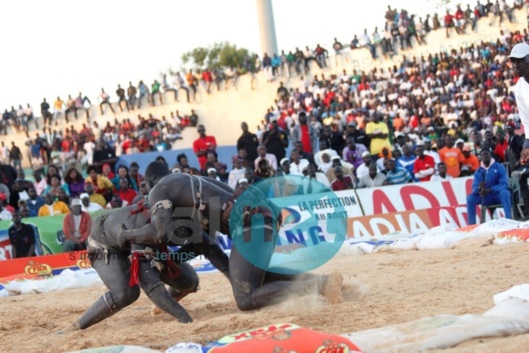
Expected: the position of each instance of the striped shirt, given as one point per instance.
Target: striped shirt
(399, 176)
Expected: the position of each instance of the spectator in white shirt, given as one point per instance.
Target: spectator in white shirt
(261, 150)
(87, 206)
(297, 164)
(441, 175)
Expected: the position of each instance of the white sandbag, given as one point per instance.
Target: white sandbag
(442, 240)
(114, 349)
(520, 291)
(406, 243)
(437, 332)
(349, 249)
(67, 279)
(440, 230)
(513, 308)
(367, 248)
(185, 348)
(495, 226)
(3, 292)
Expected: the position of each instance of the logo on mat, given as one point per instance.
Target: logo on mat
(288, 224)
(37, 269)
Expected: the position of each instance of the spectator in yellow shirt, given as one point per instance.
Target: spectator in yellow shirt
(378, 133)
(52, 208)
(101, 184)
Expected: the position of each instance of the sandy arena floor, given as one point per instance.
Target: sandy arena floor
(382, 289)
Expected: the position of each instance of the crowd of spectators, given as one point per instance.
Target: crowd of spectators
(426, 118)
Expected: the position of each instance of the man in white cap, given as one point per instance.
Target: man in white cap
(87, 205)
(520, 59)
(76, 228)
(363, 169)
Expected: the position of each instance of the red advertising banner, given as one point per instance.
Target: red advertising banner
(42, 266)
(413, 222)
(416, 196)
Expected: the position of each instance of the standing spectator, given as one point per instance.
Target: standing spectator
(144, 92)
(76, 228)
(490, 186)
(180, 84)
(500, 149)
(104, 98)
(58, 107)
(331, 139)
(236, 173)
(79, 104)
(378, 134)
(45, 112)
(70, 107)
(52, 207)
(276, 141)
(520, 59)
(191, 82)
(424, 165)
(248, 141)
(155, 91)
(338, 52)
(407, 159)
(22, 238)
(297, 164)
(320, 56)
(306, 134)
(104, 154)
(15, 155)
(4, 153)
(202, 145)
(131, 94)
(120, 92)
(267, 67)
(452, 157)
(471, 161)
(261, 152)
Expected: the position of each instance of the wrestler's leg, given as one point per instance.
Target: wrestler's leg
(185, 283)
(115, 275)
(153, 286)
(254, 288)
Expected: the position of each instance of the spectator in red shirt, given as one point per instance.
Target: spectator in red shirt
(203, 145)
(125, 193)
(424, 165)
(450, 23)
(501, 146)
(341, 182)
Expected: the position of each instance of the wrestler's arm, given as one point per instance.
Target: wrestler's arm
(153, 233)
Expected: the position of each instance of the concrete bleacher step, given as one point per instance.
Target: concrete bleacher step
(223, 111)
